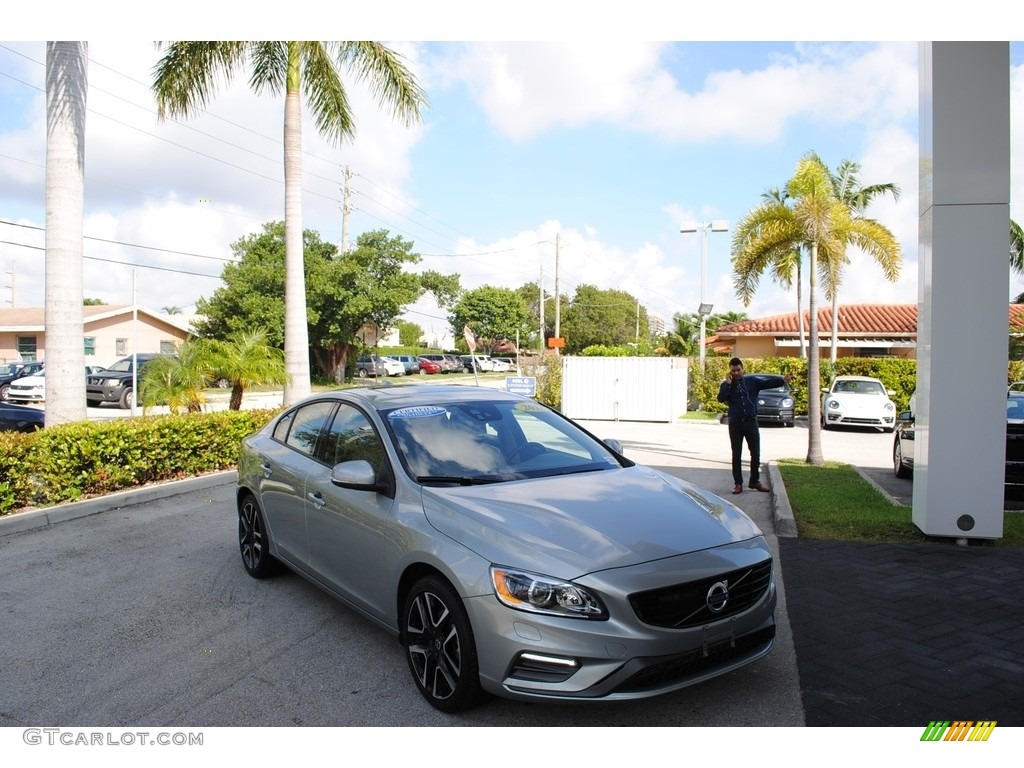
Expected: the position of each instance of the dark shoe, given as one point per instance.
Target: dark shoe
(737, 489)
(759, 487)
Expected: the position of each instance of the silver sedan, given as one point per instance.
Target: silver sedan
(510, 551)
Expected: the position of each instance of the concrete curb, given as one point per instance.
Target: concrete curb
(888, 497)
(42, 518)
(785, 523)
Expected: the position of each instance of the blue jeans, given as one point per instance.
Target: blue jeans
(740, 430)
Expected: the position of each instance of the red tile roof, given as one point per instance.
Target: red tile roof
(863, 320)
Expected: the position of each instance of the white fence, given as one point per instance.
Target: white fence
(624, 388)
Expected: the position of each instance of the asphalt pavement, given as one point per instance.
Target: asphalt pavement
(868, 634)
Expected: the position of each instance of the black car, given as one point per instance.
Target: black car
(903, 444)
(20, 418)
(11, 371)
(776, 405)
(114, 385)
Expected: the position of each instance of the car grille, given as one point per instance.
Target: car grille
(867, 422)
(696, 662)
(686, 605)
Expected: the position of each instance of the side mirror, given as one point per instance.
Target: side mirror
(907, 416)
(615, 445)
(356, 475)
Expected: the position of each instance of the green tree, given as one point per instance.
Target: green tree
(814, 219)
(187, 75)
(857, 198)
(246, 360)
(1017, 253)
(367, 285)
(87, 302)
(493, 314)
(409, 333)
(602, 317)
(683, 340)
(66, 89)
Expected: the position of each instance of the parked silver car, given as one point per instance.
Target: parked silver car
(510, 551)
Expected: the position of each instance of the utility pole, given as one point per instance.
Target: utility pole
(541, 286)
(14, 279)
(346, 208)
(558, 301)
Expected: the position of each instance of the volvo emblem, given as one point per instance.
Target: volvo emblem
(718, 596)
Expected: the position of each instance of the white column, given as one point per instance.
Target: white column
(963, 289)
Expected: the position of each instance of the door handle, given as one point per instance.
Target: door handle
(316, 499)
(267, 471)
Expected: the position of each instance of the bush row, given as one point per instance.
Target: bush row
(75, 461)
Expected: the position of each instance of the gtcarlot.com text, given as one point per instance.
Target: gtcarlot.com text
(72, 738)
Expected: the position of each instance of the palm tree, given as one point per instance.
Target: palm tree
(178, 381)
(786, 266)
(66, 89)
(184, 82)
(848, 189)
(246, 360)
(1016, 248)
(812, 219)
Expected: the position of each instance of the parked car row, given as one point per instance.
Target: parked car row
(11, 372)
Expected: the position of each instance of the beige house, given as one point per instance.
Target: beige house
(109, 333)
(863, 330)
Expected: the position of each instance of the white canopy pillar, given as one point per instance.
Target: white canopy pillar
(963, 289)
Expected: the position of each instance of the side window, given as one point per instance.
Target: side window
(307, 425)
(351, 436)
(282, 427)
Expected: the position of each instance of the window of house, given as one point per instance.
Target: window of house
(120, 347)
(168, 347)
(27, 348)
(90, 346)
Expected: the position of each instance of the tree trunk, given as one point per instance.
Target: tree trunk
(235, 404)
(800, 312)
(814, 455)
(296, 329)
(66, 91)
(835, 325)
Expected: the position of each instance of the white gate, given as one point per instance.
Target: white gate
(624, 388)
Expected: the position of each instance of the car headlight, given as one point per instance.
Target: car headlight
(542, 594)
(889, 407)
(787, 402)
(833, 404)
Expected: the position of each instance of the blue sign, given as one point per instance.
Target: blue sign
(521, 385)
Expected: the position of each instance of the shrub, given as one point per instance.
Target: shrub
(73, 461)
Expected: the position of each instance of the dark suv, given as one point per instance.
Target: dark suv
(114, 385)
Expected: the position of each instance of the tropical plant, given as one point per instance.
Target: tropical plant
(247, 360)
(185, 78)
(607, 317)
(857, 198)
(66, 88)
(493, 314)
(178, 381)
(812, 218)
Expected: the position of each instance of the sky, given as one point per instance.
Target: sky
(580, 155)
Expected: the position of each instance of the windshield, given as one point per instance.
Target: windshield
(861, 387)
(468, 443)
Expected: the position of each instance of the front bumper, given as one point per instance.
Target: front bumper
(532, 656)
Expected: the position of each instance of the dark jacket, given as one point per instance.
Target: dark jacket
(741, 396)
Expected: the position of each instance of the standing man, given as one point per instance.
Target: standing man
(740, 393)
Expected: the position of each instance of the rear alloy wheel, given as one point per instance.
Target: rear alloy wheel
(4, 389)
(127, 398)
(439, 646)
(362, 373)
(253, 541)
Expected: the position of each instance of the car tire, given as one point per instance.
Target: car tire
(127, 398)
(4, 389)
(362, 373)
(253, 541)
(900, 469)
(439, 646)
(790, 424)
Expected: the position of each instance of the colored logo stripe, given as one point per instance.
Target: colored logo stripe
(958, 730)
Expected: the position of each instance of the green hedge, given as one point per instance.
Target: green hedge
(74, 461)
(897, 374)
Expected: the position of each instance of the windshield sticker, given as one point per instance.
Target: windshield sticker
(531, 406)
(417, 412)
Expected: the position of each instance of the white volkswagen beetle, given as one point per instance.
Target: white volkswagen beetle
(858, 401)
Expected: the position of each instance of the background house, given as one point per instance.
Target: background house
(864, 330)
(108, 333)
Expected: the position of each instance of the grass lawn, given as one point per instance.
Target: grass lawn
(834, 502)
(701, 416)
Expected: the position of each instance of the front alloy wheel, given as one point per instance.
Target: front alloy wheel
(253, 542)
(439, 646)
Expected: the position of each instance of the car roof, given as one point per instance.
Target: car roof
(855, 378)
(384, 398)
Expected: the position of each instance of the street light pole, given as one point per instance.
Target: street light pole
(717, 225)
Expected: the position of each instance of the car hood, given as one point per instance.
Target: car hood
(571, 525)
(860, 404)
